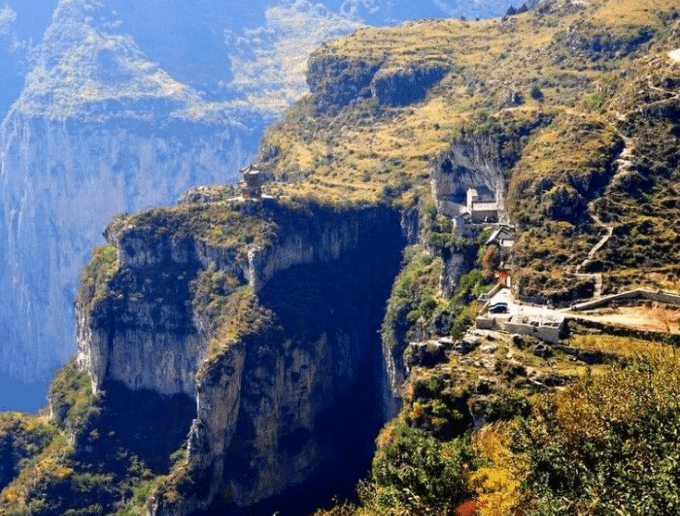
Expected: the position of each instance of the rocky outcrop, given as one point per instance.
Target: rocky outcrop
(564, 203)
(471, 163)
(60, 183)
(295, 394)
(405, 86)
(454, 266)
(479, 159)
(144, 335)
(584, 41)
(335, 81)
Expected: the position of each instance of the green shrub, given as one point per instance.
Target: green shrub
(609, 444)
(415, 472)
(71, 396)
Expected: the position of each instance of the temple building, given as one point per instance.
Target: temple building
(251, 184)
(482, 205)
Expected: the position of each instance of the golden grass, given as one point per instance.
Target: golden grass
(359, 151)
(622, 346)
(632, 12)
(326, 191)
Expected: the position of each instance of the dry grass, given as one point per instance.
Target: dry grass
(627, 12)
(362, 151)
(622, 346)
(486, 59)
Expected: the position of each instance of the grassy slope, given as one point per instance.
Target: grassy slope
(602, 105)
(550, 58)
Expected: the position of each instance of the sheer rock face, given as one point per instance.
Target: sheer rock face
(480, 161)
(111, 107)
(336, 82)
(60, 183)
(405, 86)
(471, 163)
(297, 396)
(100, 127)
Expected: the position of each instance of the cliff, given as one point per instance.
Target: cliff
(278, 348)
(98, 129)
(59, 187)
(547, 111)
(140, 103)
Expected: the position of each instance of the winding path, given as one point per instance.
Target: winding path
(623, 164)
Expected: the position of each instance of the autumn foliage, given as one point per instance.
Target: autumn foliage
(469, 508)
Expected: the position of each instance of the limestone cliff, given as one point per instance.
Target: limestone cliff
(98, 128)
(51, 215)
(276, 338)
(335, 81)
(479, 159)
(262, 344)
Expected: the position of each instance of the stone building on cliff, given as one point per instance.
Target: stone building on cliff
(251, 184)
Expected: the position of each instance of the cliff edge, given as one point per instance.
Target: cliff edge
(262, 344)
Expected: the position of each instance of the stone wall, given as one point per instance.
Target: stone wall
(658, 296)
(547, 331)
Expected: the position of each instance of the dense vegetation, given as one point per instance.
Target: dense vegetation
(607, 444)
(94, 456)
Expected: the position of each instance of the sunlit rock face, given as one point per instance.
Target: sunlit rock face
(292, 398)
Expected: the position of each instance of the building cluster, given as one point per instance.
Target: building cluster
(548, 327)
(503, 238)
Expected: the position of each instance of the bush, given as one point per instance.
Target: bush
(412, 304)
(71, 397)
(606, 445)
(415, 472)
(507, 406)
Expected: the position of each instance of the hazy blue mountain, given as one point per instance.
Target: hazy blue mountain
(116, 105)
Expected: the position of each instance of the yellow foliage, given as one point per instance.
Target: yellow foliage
(9, 494)
(63, 472)
(619, 395)
(498, 484)
(416, 411)
(622, 346)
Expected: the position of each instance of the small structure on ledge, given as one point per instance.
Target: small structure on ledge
(503, 238)
(481, 205)
(547, 327)
(251, 185)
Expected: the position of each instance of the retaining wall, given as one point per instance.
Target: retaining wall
(658, 296)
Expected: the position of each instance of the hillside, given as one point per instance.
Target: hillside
(572, 107)
(238, 357)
